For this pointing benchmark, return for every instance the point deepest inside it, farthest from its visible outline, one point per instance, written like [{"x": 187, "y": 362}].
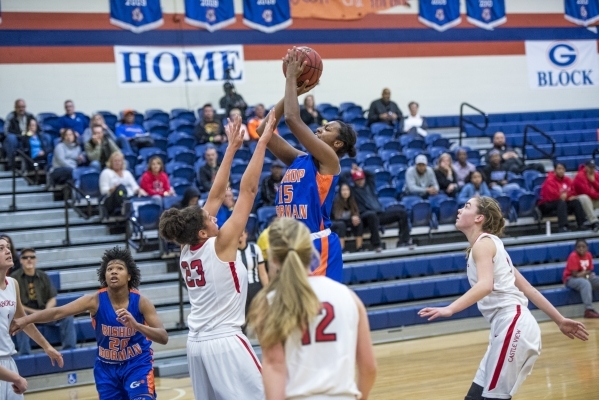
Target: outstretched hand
[
  {"x": 295, "y": 60},
  {"x": 435, "y": 312},
  {"x": 234, "y": 133},
  {"x": 55, "y": 356},
  {"x": 573, "y": 329},
  {"x": 269, "y": 128},
  {"x": 17, "y": 325}
]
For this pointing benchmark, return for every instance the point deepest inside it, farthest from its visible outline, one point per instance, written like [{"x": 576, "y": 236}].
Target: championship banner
[
  {"x": 439, "y": 14},
  {"x": 139, "y": 67},
  {"x": 136, "y": 15},
  {"x": 562, "y": 64},
  {"x": 267, "y": 16},
  {"x": 211, "y": 15},
  {"x": 582, "y": 12},
  {"x": 340, "y": 9},
  {"x": 486, "y": 14}
]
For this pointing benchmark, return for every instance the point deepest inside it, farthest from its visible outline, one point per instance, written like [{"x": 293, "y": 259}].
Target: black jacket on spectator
[
  {"x": 268, "y": 191},
  {"x": 494, "y": 174},
  {"x": 444, "y": 182},
  {"x": 44, "y": 289},
  {"x": 12, "y": 125},
  {"x": 205, "y": 131},
  {"x": 378, "y": 107},
  {"x": 207, "y": 174},
  {"x": 310, "y": 119},
  {"x": 366, "y": 196},
  {"x": 231, "y": 101}
]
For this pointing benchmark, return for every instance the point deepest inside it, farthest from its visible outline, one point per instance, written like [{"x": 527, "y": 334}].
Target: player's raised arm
[{"x": 153, "y": 329}]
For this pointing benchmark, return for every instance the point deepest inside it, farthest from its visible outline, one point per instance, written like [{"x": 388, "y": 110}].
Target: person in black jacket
[
  {"x": 270, "y": 185},
  {"x": 232, "y": 99},
  {"x": 385, "y": 110},
  {"x": 309, "y": 114},
  {"x": 16, "y": 125},
  {"x": 446, "y": 177},
  {"x": 209, "y": 129}
]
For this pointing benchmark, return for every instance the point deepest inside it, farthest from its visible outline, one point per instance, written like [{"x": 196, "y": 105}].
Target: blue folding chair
[
  {"x": 157, "y": 115},
  {"x": 170, "y": 201},
  {"x": 181, "y": 139},
  {"x": 373, "y": 160},
  {"x": 448, "y": 211},
  {"x": 265, "y": 215},
  {"x": 421, "y": 214},
  {"x": 147, "y": 152},
  {"x": 184, "y": 171},
  {"x": 386, "y": 191}
]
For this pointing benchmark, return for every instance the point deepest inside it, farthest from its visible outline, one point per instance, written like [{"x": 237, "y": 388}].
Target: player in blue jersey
[
  {"x": 307, "y": 190},
  {"x": 125, "y": 322}
]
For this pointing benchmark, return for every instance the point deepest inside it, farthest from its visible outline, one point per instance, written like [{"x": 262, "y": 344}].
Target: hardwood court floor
[{"x": 442, "y": 368}]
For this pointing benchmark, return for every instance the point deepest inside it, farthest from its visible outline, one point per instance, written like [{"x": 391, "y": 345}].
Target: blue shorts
[
  {"x": 331, "y": 261},
  {"x": 131, "y": 380}
]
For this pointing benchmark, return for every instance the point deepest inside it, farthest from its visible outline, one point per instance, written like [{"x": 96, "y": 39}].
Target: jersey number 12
[
  {"x": 197, "y": 266},
  {"x": 321, "y": 336}
]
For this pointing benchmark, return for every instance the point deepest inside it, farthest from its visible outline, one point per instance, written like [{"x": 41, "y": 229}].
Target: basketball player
[
  {"x": 125, "y": 322},
  {"x": 222, "y": 364},
  {"x": 307, "y": 190},
  {"x": 12, "y": 385},
  {"x": 502, "y": 295},
  {"x": 318, "y": 362}
]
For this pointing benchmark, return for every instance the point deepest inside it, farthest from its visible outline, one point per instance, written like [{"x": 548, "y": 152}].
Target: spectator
[
  {"x": 191, "y": 197},
  {"x": 117, "y": 183},
  {"x": 309, "y": 114},
  {"x": 131, "y": 135},
  {"x": 35, "y": 144},
  {"x": 67, "y": 157},
  {"x": 420, "y": 179},
  {"x": 16, "y": 125},
  {"x": 462, "y": 167},
  {"x": 579, "y": 276},
  {"x": 99, "y": 148},
  {"x": 13, "y": 251},
  {"x": 445, "y": 175},
  {"x": 385, "y": 110},
  {"x": 251, "y": 256},
  {"x": 476, "y": 186},
  {"x": 155, "y": 181},
  {"x": 372, "y": 213},
  {"x": 97, "y": 119},
  {"x": 270, "y": 185},
  {"x": 236, "y": 112},
  {"x": 255, "y": 121},
  {"x": 345, "y": 214},
  {"x": 208, "y": 171},
  {"x": 557, "y": 195},
  {"x": 226, "y": 209},
  {"x": 586, "y": 182},
  {"x": 209, "y": 129},
  {"x": 38, "y": 293},
  {"x": 232, "y": 99},
  {"x": 496, "y": 175},
  {"x": 510, "y": 157},
  {"x": 414, "y": 123},
  {"x": 71, "y": 119}
]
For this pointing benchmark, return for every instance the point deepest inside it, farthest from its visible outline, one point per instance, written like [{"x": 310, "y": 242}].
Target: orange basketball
[{"x": 313, "y": 68}]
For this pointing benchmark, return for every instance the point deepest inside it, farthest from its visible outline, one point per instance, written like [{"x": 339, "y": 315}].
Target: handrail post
[
  {"x": 65, "y": 193},
  {"x": 13, "y": 206},
  {"x": 463, "y": 120},
  {"x": 181, "y": 323}
]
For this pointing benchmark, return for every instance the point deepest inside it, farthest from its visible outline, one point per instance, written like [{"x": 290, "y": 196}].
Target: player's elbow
[
  {"x": 486, "y": 286},
  {"x": 163, "y": 338}
]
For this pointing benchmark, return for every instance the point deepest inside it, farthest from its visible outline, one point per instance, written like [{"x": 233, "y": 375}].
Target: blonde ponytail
[{"x": 294, "y": 303}]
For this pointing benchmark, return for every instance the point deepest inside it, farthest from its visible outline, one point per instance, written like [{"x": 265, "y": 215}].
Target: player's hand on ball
[
  {"x": 435, "y": 312},
  {"x": 20, "y": 386},
  {"x": 55, "y": 356},
  {"x": 295, "y": 63},
  {"x": 233, "y": 131},
  {"x": 573, "y": 329}
]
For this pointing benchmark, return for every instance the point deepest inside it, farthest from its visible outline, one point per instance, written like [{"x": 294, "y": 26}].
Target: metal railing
[
  {"x": 464, "y": 120},
  {"x": 36, "y": 168},
  {"x": 526, "y": 142},
  {"x": 67, "y": 190}
]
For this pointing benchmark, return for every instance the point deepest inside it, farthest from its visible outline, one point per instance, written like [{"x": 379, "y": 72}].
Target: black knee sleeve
[{"x": 475, "y": 392}]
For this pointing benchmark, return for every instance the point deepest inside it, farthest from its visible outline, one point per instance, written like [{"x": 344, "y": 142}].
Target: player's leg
[
  {"x": 334, "y": 257},
  {"x": 138, "y": 379},
  {"x": 108, "y": 382},
  {"x": 6, "y": 391},
  {"x": 527, "y": 351},
  {"x": 200, "y": 382}
]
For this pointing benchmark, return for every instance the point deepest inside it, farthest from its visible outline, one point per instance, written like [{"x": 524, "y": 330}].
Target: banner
[
  {"x": 211, "y": 15},
  {"x": 562, "y": 64},
  {"x": 439, "y": 14},
  {"x": 486, "y": 14},
  {"x": 267, "y": 15},
  {"x": 582, "y": 12},
  {"x": 136, "y": 15},
  {"x": 139, "y": 67},
  {"x": 340, "y": 9}
]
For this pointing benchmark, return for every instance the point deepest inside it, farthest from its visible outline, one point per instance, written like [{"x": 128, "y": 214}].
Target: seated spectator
[
  {"x": 131, "y": 135},
  {"x": 99, "y": 148},
  {"x": 191, "y": 197},
  {"x": 251, "y": 256},
  {"x": 345, "y": 214},
  {"x": 579, "y": 276},
  {"x": 496, "y": 175},
  {"x": 462, "y": 167},
  {"x": 557, "y": 195},
  {"x": 255, "y": 121},
  {"x": 67, "y": 157},
  {"x": 208, "y": 171},
  {"x": 237, "y": 112},
  {"x": 35, "y": 144},
  {"x": 117, "y": 183},
  {"x": 71, "y": 119},
  {"x": 385, "y": 110},
  {"x": 414, "y": 123},
  {"x": 226, "y": 209},
  {"x": 209, "y": 129},
  {"x": 232, "y": 99},
  {"x": 270, "y": 185},
  {"x": 445, "y": 175},
  {"x": 420, "y": 179},
  {"x": 15, "y": 125},
  {"x": 511, "y": 157},
  {"x": 586, "y": 182},
  {"x": 476, "y": 186},
  {"x": 372, "y": 213},
  {"x": 13, "y": 251},
  {"x": 97, "y": 119},
  {"x": 38, "y": 293},
  {"x": 155, "y": 181},
  {"x": 309, "y": 114}
]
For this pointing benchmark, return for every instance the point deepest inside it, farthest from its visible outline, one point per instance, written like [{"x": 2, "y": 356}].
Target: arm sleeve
[{"x": 105, "y": 181}]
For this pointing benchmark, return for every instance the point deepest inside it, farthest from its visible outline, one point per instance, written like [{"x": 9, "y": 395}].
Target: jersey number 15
[
  {"x": 320, "y": 335},
  {"x": 197, "y": 266}
]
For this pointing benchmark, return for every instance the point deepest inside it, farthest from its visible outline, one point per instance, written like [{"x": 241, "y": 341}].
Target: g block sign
[
  {"x": 562, "y": 64},
  {"x": 175, "y": 66}
]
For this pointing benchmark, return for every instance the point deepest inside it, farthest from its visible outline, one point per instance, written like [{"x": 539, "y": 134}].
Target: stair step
[
  {"x": 51, "y": 237},
  {"x": 31, "y": 200},
  {"x": 64, "y": 261},
  {"x": 19, "y": 218},
  {"x": 6, "y": 188}
]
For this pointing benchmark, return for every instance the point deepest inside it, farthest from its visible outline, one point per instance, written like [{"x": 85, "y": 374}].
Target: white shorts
[
  {"x": 514, "y": 346},
  {"x": 6, "y": 392},
  {"x": 225, "y": 369}
]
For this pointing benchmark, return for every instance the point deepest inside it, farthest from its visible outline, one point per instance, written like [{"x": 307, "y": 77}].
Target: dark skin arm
[{"x": 153, "y": 329}]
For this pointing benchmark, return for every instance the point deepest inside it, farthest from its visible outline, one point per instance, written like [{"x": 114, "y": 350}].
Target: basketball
[{"x": 313, "y": 68}]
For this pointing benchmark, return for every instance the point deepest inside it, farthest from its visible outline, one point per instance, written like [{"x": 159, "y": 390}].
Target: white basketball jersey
[
  {"x": 8, "y": 307},
  {"x": 217, "y": 292},
  {"x": 323, "y": 359},
  {"x": 505, "y": 293}
]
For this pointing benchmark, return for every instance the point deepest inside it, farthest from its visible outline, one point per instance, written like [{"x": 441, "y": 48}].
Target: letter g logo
[{"x": 562, "y": 55}]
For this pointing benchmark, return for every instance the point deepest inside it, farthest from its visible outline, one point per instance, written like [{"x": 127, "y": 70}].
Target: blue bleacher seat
[
  {"x": 364, "y": 132},
  {"x": 369, "y": 147},
  {"x": 159, "y": 142},
  {"x": 186, "y": 156},
  {"x": 525, "y": 205},
  {"x": 392, "y": 145},
  {"x": 89, "y": 184},
  {"x": 265, "y": 215},
  {"x": 373, "y": 160},
  {"x": 387, "y": 154},
  {"x": 397, "y": 170},
  {"x": 330, "y": 113},
  {"x": 411, "y": 153},
  {"x": 380, "y": 141},
  {"x": 448, "y": 211},
  {"x": 400, "y": 159},
  {"x": 181, "y": 139},
  {"x": 180, "y": 185},
  {"x": 184, "y": 171},
  {"x": 242, "y": 154},
  {"x": 159, "y": 130},
  {"x": 358, "y": 122},
  {"x": 147, "y": 152},
  {"x": 187, "y": 115},
  {"x": 435, "y": 151},
  {"x": 157, "y": 115},
  {"x": 169, "y": 201},
  {"x": 345, "y": 106},
  {"x": 376, "y": 127}
]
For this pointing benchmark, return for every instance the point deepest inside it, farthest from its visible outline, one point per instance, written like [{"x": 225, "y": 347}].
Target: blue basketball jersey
[
  {"x": 486, "y": 14},
  {"x": 209, "y": 14},
  {"x": 136, "y": 15},
  {"x": 116, "y": 342},
  {"x": 582, "y": 12},
  {"x": 439, "y": 14},
  {"x": 267, "y": 15}
]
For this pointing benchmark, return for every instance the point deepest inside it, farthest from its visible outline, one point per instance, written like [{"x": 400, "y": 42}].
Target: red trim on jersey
[
  {"x": 6, "y": 281},
  {"x": 506, "y": 344},
  {"x": 247, "y": 347},
  {"x": 235, "y": 278},
  {"x": 197, "y": 246}
]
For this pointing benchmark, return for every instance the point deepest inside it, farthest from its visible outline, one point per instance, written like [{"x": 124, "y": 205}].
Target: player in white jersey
[
  {"x": 12, "y": 385},
  {"x": 222, "y": 364},
  {"x": 502, "y": 294},
  {"x": 313, "y": 331}
]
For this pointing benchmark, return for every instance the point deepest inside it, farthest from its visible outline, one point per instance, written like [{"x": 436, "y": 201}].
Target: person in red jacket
[
  {"x": 155, "y": 181},
  {"x": 557, "y": 195},
  {"x": 579, "y": 276}
]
